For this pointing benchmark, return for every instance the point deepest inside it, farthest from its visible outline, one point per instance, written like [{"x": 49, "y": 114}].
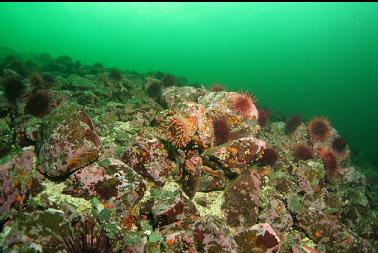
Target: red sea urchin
[
  {"x": 217, "y": 88},
  {"x": 339, "y": 144},
  {"x": 263, "y": 118},
  {"x": 243, "y": 104},
  {"x": 13, "y": 87},
  {"x": 319, "y": 129},
  {"x": 222, "y": 131},
  {"x": 86, "y": 236},
  {"x": 293, "y": 123},
  {"x": 115, "y": 75},
  {"x": 38, "y": 104},
  {"x": 302, "y": 152},
  {"x": 269, "y": 157}
]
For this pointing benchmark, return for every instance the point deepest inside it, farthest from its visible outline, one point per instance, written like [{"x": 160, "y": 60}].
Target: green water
[{"x": 303, "y": 58}]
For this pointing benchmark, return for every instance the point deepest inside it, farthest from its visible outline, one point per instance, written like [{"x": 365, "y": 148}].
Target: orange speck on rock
[
  {"x": 317, "y": 234},
  {"x": 170, "y": 242},
  {"x": 317, "y": 189},
  {"x": 19, "y": 198},
  {"x": 128, "y": 222},
  {"x": 178, "y": 223},
  {"x": 321, "y": 152},
  {"x": 106, "y": 204},
  {"x": 232, "y": 150}
]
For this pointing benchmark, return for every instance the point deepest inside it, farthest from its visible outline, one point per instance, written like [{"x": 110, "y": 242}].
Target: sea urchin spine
[
  {"x": 222, "y": 131},
  {"x": 293, "y": 123},
  {"x": 302, "y": 152},
  {"x": 269, "y": 157},
  {"x": 330, "y": 163},
  {"x": 339, "y": 144},
  {"x": 217, "y": 88},
  {"x": 263, "y": 118}
]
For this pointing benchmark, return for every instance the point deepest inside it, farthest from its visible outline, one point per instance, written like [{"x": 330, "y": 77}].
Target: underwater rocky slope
[{"x": 99, "y": 160}]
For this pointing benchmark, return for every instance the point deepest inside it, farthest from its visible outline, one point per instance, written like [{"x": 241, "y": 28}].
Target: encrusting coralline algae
[{"x": 132, "y": 161}]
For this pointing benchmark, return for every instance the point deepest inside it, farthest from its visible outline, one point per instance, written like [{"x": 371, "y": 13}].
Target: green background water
[{"x": 306, "y": 58}]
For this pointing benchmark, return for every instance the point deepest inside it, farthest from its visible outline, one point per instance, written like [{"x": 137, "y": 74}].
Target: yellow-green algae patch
[
  {"x": 214, "y": 201},
  {"x": 52, "y": 194}
]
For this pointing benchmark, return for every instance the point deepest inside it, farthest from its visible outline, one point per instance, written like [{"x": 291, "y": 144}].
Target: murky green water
[{"x": 311, "y": 59}]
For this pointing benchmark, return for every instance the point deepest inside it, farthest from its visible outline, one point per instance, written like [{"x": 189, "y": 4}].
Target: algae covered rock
[
  {"x": 149, "y": 158},
  {"x": 212, "y": 235},
  {"x": 173, "y": 95},
  {"x": 233, "y": 155},
  {"x": 187, "y": 124},
  {"x": 258, "y": 238},
  {"x": 6, "y": 137},
  {"x": 18, "y": 179},
  {"x": 212, "y": 180},
  {"x": 111, "y": 181},
  {"x": 329, "y": 232},
  {"x": 69, "y": 141},
  {"x": 242, "y": 199}
]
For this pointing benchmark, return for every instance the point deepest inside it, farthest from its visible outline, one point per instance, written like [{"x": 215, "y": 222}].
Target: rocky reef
[{"x": 105, "y": 160}]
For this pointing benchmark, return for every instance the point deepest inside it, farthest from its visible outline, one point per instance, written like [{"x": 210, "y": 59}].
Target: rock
[
  {"x": 17, "y": 179},
  {"x": 167, "y": 205},
  {"x": 258, "y": 238},
  {"x": 277, "y": 215},
  {"x": 212, "y": 235},
  {"x": 149, "y": 158},
  {"x": 69, "y": 141},
  {"x": 212, "y": 180},
  {"x": 220, "y": 104},
  {"x": 6, "y": 137},
  {"x": 191, "y": 175},
  {"x": 111, "y": 181},
  {"x": 204, "y": 137},
  {"x": 327, "y": 231},
  {"x": 28, "y": 132},
  {"x": 173, "y": 95},
  {"x": 34, "y": 232},
  {"x": 195, "y": 121},
  {"x": 242, "y": 199},
  {"x": 4, "y": 105},
  {"x": 309, "y": 175},
  {"x": 234, "y": 155}
]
